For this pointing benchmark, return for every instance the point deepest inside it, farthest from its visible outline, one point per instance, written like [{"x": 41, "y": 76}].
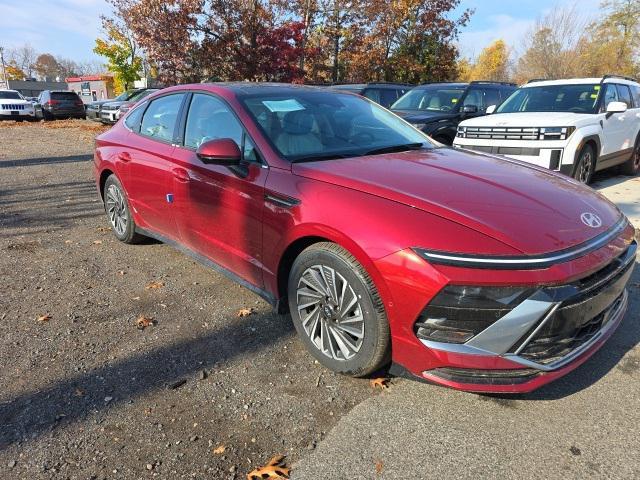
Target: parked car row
[
  {"x": 109, "y": 111},
  {"x": 464, "y": 268}
]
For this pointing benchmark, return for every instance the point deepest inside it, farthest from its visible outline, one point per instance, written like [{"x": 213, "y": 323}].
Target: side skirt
[{"x": 268, "y": 297}]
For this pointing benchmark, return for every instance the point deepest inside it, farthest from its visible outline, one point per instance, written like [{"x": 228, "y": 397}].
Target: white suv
[
  {"x": 576, "y": 126},
  {"x": 14, "y": 106}
]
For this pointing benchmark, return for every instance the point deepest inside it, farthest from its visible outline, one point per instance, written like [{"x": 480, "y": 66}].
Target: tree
[
  {"x": 551, "y": 47},
  {"x": 24, "y": 58},
  {"x": 14, "y": 72},
  {"x": 47, "y": 67},
  {"x": 121, "y": 52},
  {"x": 492, "y": 63},
  {"x": 613, "y": 44}
]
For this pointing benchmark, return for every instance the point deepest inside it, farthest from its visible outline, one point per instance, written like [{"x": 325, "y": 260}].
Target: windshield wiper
[
  {"x": 395, "y": 148},
  {"x": 317, "y": 158}
]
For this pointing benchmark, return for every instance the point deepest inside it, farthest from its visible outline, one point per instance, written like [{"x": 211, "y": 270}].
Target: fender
[{"x": 569, "y": 168}]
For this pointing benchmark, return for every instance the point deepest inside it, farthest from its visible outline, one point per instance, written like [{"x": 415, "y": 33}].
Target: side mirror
[
  {"x": 616, "y": 107},
  {"x": 469, "y": 109},
  {"x": 490, "y": 109},
  {"x": 221, "y": 151}
]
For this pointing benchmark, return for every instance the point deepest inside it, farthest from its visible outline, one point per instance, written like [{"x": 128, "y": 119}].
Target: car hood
[
  {"x": 418, "y": 116},
  {"x": 98, "y": 104},
  {"x": 530, "y": 209},
  {"x": 114, "y": 105},
  {"x": 532, "y": 119},
  {"x": 16, "y": 101}
]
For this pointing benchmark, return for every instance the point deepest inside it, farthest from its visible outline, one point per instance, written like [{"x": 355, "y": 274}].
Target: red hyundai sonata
[{"x": 468, "y": 270}]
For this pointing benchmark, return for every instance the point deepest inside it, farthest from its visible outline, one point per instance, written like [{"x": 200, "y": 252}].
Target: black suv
[
  {"x": 382, "y": 93},
  {"x": 438, "y": 108},
  {"x": 61, "y": 104}
]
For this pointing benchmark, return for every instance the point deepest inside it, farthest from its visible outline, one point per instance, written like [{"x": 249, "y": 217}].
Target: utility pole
[{"x": 5, "y": 82}]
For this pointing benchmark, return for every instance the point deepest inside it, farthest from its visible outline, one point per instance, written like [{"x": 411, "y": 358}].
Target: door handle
[
  {"x": 124, "y": 157},
  {"x": 180, "y": 174}
]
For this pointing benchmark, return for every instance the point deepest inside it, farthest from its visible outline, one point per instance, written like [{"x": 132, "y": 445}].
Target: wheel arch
[
  {"x": 296, "y": 245},
  {"x": 106, "y": 173}
]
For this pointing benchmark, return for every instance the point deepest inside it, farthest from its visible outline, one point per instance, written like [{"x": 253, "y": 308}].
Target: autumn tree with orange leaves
[{"x": 296, "y": 40}]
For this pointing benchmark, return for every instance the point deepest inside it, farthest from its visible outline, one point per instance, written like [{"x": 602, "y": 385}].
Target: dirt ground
[{"x": 84, "y": 393}]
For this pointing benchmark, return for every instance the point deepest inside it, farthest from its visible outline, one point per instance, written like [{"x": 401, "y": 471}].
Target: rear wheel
[
  {"x": 337, "y": 312},
  {"x": 632, "y": 166},
  {"x": 585, "y": 165},
  {"x": 118, "y": 212}
]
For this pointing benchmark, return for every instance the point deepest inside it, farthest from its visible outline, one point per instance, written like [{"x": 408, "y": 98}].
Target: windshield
[
  {"x": 433, "y": 98},
  {"x": 8, "y": 95},
  {"x": 308, "y": 125},
  {"x": 552, "y": 98},
  {"x": 126, "y": 95}
]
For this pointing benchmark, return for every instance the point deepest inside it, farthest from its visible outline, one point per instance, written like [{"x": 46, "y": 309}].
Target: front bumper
[
  {"x": 109, "y": 116},
  {"x": 550, "y": 333},
  {"x": 17, "y": 114}
]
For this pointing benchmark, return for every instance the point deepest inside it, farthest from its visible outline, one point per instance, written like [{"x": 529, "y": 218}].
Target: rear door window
[
  {"x": 624, "y": 95},
  {"x": 159, "y": 120},
  {"x": 635, "y": 93}
]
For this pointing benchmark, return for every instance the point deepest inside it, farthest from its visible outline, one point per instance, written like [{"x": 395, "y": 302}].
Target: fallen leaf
[
  {"x": 153, "y": 285},
  {"x": 219, "y": 449},
  {"x": 103, "y": 229},
  {"x": 245, "y": 312},
  {"x": 381, "y": 383},
  {"x": 379, "y": 466},
  {"x": 79, "y": 392},
  {"x": 67, "y": 241},
  {"x": 44, "y": 318},
  {"x": 276, "y": 468},
  {"x": 97, "y": 242},
  {"x": 143, "y": 322},
  {"x": 121, "y": 272}
]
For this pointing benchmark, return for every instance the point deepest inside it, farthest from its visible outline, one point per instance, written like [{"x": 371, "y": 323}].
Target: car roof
[
  {"x": 250, "y": 88},
  {"x": 578, "y": 81},
  {"x": 443, "y": 84}
]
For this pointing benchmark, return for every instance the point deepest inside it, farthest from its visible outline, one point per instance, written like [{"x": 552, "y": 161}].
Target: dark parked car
[
  {"x": 473, "y": 271},
  {"x": 384, "y": 94},
  {"x": 438, "y": 108},
  {"x": 61, "y": 104},
  {"x": 111, "y": 111}
]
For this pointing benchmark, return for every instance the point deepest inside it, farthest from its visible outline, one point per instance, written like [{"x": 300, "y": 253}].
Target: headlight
[
  {"x": 556, "y": 133},
  {"x": 458, "y": 313},
  {"x": 419, "y": 126}
]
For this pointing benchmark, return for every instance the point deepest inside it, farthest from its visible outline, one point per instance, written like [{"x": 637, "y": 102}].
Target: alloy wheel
[
  {"x": 330, "y": 312},
  {"x": 117, "y": 209},
  {"x": 583, "y": 172}
]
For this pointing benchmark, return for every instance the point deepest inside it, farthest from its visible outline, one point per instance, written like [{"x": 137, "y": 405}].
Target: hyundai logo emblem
[{"x": 591, "y": 220}]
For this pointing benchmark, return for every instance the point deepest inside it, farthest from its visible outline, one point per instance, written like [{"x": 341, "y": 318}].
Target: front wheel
[
  {"x": 337, "y": 311},
  {"x": 585, "y": 165},
  {"x": 118, "y": 212}
]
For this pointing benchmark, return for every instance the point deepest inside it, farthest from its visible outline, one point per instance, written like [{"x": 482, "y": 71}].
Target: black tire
[
  {"x": 125, "y": 233},
  {"x": 585, "y": 165},
  {"x": 632, "y": 166},
  {"x": 443, "y": 139},
  {"x": 374, "y": 350}
]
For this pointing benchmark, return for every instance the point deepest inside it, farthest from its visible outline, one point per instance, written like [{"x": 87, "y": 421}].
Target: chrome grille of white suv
[{"x": 10, "y": 106}]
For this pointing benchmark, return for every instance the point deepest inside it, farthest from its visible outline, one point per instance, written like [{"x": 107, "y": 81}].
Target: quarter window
[
  {"x": 160, "y": 118},
  {"x": 133, "y": 119}
]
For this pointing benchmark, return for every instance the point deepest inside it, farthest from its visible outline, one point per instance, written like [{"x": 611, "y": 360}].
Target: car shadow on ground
[
  {"x": 27, "y": 162},
  {"x": 95, "y": 392}
]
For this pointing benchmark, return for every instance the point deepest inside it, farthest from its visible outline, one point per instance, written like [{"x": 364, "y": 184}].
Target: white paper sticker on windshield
[{"x": 289, "y": 105}]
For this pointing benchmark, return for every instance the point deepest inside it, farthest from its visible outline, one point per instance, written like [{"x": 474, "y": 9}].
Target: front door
[
  {"x": 613, "y": 126},
  {"x": 219, "y": 209}
]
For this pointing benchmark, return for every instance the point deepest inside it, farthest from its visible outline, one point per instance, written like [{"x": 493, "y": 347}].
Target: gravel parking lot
[
  {"x": 204, "y": 393},
  {"x": 83, "y": 392}
]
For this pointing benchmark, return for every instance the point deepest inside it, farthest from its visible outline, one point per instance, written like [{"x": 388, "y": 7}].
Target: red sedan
[{"x": 468, "y": 270}]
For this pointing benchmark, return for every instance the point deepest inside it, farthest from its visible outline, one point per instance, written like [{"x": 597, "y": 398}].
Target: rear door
[{"x": 148, "y": 164}]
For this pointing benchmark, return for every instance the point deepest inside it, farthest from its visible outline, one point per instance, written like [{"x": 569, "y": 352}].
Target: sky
[{"x": 69, "y": 27}]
